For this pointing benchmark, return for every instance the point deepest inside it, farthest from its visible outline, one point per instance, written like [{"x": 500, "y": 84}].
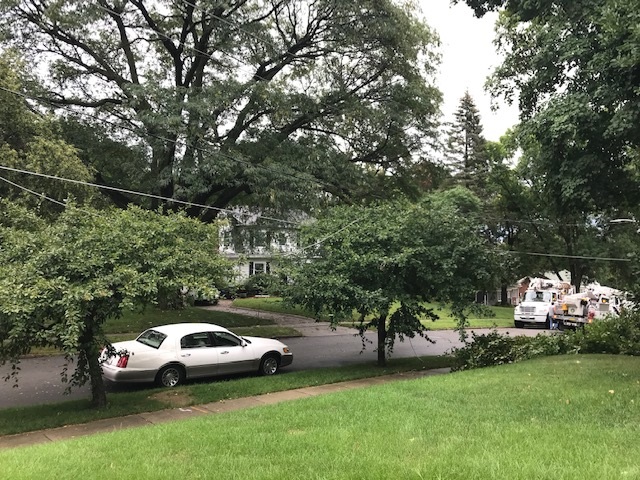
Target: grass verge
[
  {"x": 38, "y": 417},
  {"x": 131, "y": 324},
  {"x": 151, "y": 317},
  {"x": 557, "y": 417},
  {"x": 503, "y": 316}
]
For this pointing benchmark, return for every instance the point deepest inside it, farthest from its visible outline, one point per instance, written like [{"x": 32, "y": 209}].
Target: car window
[
  {"x": 224, "y": 339},
  {"x": 151, "y": 338},
  {"x": 195, "y": 340}
]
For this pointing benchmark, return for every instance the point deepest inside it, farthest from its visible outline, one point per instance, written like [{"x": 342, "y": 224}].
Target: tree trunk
[
  {"x": 382, "y": 336},
  {"x": 504, "y": 301},
  {"x": 98, "y": 391}
]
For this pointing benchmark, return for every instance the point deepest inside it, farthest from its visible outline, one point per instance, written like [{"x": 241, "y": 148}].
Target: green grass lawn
[
  {"x": 38, "y": 417},
  {"x": 131, "y": 324},
  {"x": 569, "y": 417},
  {"x": 151, "y": 317},
  {"x": 503, "y": 316}
]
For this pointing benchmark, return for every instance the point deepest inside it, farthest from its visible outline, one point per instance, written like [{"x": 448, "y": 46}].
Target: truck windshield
[{"x": 533, "y": 296}]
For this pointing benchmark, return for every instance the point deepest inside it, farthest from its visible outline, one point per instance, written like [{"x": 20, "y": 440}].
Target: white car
[{"x": 170, "y": 354}]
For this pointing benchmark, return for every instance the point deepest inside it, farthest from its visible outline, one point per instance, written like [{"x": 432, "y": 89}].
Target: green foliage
[
  {"x": 573, "y": 68},
  {"x": 31, "y": 142},
  {"x": 368, "y": 258},
  {"x": 578, "y": 96},
  {"x": 262, "y": 283},
  {"x": 273, "y": 103},
  {"x": 466, "y": 146},
  {"x": 614, "y": 335},
  {"x": 494, "y": 348},
  {"x": 60, "y": 282}
]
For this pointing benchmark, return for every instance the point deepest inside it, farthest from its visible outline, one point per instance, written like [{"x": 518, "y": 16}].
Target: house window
[
  {"x": 259, "y": 267},
  {"x": 259, "y": 238}
]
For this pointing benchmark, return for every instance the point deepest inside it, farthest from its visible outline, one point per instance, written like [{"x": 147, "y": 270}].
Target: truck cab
[{"x": 536, "y": 307}]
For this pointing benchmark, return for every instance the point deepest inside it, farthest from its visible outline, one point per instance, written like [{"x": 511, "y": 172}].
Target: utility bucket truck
[
  {"x": 537, "y": 304},
  {"x": 596, "y": 302}
]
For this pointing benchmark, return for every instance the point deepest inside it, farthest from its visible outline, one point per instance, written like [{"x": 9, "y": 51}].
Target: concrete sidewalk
[{"x": 176, "y": 414}]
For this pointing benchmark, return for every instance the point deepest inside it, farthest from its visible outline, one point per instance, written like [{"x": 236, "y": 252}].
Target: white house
[{"x": 255, "y": 241}]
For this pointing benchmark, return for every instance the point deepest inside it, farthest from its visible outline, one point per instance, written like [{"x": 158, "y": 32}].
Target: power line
[
  {"x": 307, "y": 178},
  {"x": 319, "y": 242},
  {"x": 41, "y": 195},
  {"x": 331, "y": 235},
  {"x": 556, "y": 255},
  {"x": 133, "y": 192},
  {"x": 164, "y": 139}
]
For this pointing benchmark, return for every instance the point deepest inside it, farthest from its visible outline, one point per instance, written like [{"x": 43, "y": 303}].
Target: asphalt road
[{"x": 40, "y": 383}]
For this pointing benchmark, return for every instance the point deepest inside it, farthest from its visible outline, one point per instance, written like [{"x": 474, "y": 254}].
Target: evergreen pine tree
[{"x": 465, "y": 145}]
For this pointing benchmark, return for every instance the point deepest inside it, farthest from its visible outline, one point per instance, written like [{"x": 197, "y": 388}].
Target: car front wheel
[
  {"x": 269, "y": 365},
  {"x": 170, "y": 376}
]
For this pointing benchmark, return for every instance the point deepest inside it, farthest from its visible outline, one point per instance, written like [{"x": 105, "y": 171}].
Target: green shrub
[
  {"x": 615, "y": 335},
  {"x": 261, "y": 283},
  {"x": 496, "y": 349}
]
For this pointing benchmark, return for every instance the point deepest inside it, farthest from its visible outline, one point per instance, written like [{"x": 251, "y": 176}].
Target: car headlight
[{"x": 286, "y": 350}]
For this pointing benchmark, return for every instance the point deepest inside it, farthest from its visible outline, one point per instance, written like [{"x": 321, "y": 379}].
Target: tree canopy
[
  {"x": 61, "y": 281},
  {"x": 33, "y": 142},
  {"x": 384, "y": 261},
  {"x": 573, "y": 68},
  {"x": 280, "y": 101}
]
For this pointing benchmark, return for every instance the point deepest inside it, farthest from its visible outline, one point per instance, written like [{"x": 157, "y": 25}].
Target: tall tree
[
  {"x": 465, "y": 145},
  {"x": 33, "y": 142},
  {"x": 580, "y": 108},
  {"x": 61, "y": 281},
  {"x": 280, "y": 100},
  {"x": 368, "y": 259},
  {"x": 578, "y": 96}
]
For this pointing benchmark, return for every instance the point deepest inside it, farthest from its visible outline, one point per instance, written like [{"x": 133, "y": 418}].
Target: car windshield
[{"x": 152, "y": 338}]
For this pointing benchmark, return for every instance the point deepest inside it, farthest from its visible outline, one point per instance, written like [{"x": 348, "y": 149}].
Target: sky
[{"x": 468, "y": 57}]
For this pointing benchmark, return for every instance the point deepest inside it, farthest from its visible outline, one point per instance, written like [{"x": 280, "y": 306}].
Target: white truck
[
  {"x": 595, "y": 302},
  {"x": 537, "y": 305}
]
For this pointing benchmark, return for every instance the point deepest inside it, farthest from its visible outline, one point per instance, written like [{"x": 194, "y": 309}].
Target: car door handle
[
  {"x": 224, "y": 353},
  {"x": 185, "y": 355}
]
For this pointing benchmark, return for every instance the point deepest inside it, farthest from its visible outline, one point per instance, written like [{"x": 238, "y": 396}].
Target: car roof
[{"x": 187, "y": 328}]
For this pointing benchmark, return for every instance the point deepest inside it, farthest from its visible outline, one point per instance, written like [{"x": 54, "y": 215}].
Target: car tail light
[{"x": 122, "y": 361}]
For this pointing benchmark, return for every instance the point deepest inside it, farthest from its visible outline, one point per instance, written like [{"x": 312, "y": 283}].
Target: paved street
[{"x": 39, "y": 380}]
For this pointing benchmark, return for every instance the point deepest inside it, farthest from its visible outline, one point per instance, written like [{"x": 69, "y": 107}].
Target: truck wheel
[{"x": 519, "y": 324}]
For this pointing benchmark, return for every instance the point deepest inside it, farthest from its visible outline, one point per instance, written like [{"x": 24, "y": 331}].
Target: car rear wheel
[
  {"x": 170, "y": 376},
  {"x": 269, "y": 365}
]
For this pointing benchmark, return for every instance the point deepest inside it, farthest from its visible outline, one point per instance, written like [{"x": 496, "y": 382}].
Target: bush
[
  {"x": 260, "y": 284},
  {"x": 615, "y": 335},
  {"x": 497, "y": 349}
]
